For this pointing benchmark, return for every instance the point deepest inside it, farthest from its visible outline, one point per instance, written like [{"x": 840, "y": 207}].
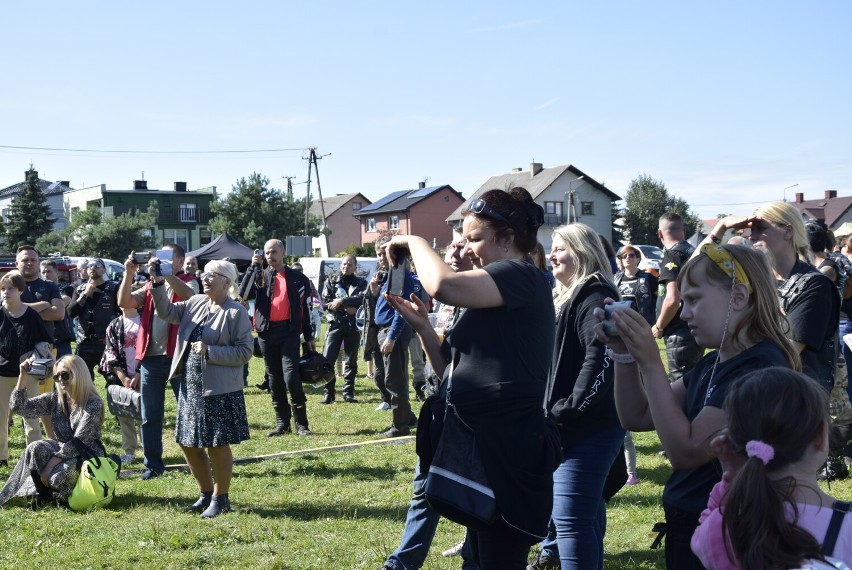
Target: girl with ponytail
[{"x": 768, "y": 511}]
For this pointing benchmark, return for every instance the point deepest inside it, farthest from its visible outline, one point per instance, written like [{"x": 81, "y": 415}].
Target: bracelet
[{"x": 625, "y": 358}]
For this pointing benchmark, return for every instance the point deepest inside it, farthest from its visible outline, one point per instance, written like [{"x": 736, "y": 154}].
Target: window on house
[
  {"x": 371, "y": 224},
  {"x": 187, "y": 213},
  {"x": 180, "y": 237},
  {"x": 588, "y": 208},
  {"x": 393, "y": 222},
  {"x": 205, "y": 236},
  {"x": 553, "y": 208},
  {"x": 6, "y": 212},
  {"x": 356, "y": 205}
]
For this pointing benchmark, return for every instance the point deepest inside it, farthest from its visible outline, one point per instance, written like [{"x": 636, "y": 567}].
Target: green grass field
[{"x": 341, "y": 509}]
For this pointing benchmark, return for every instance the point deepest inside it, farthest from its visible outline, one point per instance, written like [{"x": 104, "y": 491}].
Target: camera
[
  {"x": 609, "y": 324},
  {"x": 141, "y": 258},
  {"x": 40, "y": 367}
]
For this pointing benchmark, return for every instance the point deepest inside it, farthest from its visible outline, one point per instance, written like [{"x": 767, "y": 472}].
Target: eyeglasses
[
  {"x": 481, "y": 207},
  {"x": 101, "y": 265},
  {"x": 628, "y": 255},
  {"x": 62, "y": 376},
  {"x": 209, "y": 275}
]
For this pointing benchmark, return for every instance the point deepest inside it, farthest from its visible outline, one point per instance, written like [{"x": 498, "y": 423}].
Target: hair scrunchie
[{"x": 761, "y": 450}]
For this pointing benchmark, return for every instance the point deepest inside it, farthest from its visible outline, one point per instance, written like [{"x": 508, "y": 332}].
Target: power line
[{"x": 113, "y": 151}]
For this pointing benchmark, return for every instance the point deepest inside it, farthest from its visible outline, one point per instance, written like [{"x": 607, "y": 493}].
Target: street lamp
[
  {"x": 787, "y": 188},
  {"x": 569, "y": 198}
]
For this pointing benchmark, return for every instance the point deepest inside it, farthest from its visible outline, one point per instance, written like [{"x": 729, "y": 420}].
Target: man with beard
[{"x": 95, "y": 305}]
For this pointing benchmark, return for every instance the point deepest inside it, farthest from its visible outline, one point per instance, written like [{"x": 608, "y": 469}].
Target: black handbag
[
  {"x": 124, "y": 402},
  {"x": 456, "y": 484}
]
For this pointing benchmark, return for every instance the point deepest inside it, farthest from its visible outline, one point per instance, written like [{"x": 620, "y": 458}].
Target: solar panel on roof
[
  {"x": 423, "y": 192},
  {"x": 384, "y": 201}
]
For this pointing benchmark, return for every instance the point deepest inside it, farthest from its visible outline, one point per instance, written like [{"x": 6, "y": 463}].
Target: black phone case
[{"x": 396, "y": 278}]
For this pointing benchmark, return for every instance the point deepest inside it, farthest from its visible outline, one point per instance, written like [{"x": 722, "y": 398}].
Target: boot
[
  {"x": 349, "y": 391},
  {"x": 45, "y": 493},
  {"x": 282, "y": 422},
  {"x": 328, "y": 389},
  {"x": 219, "y": 504},
  {"x": 265, "y": 384},
  {"x": 201, "y": 504},
  {"x": 300, "y": 418}
]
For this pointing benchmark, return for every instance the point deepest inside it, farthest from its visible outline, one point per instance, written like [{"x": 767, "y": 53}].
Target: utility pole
[
  {"x": 289, "y": 185},
  {"x": 312, "y": 161}
]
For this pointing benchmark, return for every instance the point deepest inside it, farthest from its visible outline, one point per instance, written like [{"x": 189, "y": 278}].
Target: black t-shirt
[
  {"x": 814, "y": 314},
  {"x": 689, "y": 489},
  {"x": 641, "y": 291},
  {"x": 29, "y": 329},
  {"x": 41, "y": 290},
  {"x": 512, "y": 343},
  {"x": 674, "y": 259}
]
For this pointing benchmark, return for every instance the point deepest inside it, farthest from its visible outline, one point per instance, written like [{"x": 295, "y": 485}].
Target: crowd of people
[{"x": 548, "y": 377}]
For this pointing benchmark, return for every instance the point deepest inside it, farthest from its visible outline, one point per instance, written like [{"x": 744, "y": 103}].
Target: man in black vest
[
  {"x": 682, "y": 351},
  {"x": 281, "y": 315},
  {"x": 342, "y": 295},
  {"x": 95, "y": 305}
]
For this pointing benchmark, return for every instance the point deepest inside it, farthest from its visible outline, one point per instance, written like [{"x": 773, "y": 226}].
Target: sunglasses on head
[
  {"x": 62, "y": 376},
  {"x": 481, "y": 207}
]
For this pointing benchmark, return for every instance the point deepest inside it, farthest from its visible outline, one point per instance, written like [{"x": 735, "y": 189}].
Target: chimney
[
  {"x": 515, "y": 170},
  {"x": 829, "y": 194},
  {"x": 140, "y": 185},
  {"x": 421, "y": 185},
  {"x": 66, "y": 183},
  {"x": 800, "y": 197},
  {"x": 535, "y": 168},
  {"x": 180, "y": 186}
]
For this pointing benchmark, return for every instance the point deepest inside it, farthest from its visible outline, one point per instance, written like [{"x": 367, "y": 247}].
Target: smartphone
[
  {"x": 396, "y": 274},
  {"x": 609, "y": 324},
  {"x": 141, "y": 258}
]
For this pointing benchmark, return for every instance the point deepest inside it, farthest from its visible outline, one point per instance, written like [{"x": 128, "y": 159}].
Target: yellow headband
[{"x": 726, "y": 262}]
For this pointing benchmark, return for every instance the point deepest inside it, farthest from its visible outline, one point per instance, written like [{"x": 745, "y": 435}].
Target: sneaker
[
  {"x": 382, "y": 407},
  {"x": 396, "y": 432},
  {"x": 350, "y": 399},
  {"x": 150, "y": 474},
  {"x": 454, "y": 551},
  {"x": 327, "y": 399},
  {"x": 127, "y": 459},
  {"x": 370, "y": 375},
  {"x": 544, "y": 562},
  {"x": 632, "y": 479}
]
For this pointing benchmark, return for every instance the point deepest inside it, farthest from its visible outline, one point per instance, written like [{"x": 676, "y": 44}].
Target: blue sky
[{"x": 726, "y": 102}]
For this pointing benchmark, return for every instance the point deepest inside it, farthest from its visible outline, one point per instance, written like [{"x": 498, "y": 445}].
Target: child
[
  {"x": 730, "y": 304},
  {"x": 768, "y": 511}
]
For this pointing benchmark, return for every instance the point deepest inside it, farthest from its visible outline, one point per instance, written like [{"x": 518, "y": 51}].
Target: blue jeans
[
  {"x": 154, "y": 371},
  {"x": 420, "y": 524},
  {"x": 578, "y": 522}
]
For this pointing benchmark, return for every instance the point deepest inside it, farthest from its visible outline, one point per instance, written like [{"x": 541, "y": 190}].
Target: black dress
[{"x": 207, "y": 421}]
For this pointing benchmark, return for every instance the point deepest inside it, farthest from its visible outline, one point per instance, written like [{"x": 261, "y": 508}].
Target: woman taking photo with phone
[{"x": 500, "y": 353}]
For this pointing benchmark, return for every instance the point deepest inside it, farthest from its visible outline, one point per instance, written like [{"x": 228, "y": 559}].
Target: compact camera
[
  {"x": 141, "y": 258},
  {"x": 609, "y": 324}
]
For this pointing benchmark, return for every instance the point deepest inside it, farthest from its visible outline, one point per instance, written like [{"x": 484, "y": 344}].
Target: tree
[
  {"x": 29, "y": 217},
  {"x": 647, "y": 199},
  {"x": 90, "y": 234},
  {"x": 617, "y": 229},
  {"x": 253, "y": 213}
]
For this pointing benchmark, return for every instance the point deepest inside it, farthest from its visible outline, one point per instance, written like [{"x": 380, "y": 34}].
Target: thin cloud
[
  {"x": 547, "y": 104},
  {"x": 505, "y": 27}
]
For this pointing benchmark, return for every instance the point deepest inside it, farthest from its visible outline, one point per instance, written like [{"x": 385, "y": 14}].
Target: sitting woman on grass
[
  {"x": 729, "y": 303},
  {"x": 49, "y": 468}
]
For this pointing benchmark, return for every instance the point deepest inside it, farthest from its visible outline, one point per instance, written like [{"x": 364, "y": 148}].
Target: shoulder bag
[
  {"x": 456, "y": 484},
  {"x": 95, "y": 485}
]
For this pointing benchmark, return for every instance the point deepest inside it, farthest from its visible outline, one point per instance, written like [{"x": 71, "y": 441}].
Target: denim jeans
[
  {"x": 154, "y": 371},
  {"x": 420, "y": 524},
  {"x": 351, "y": 340},
  {"x": 682, "y": 352},
  {"x": 578, "y": 522}
]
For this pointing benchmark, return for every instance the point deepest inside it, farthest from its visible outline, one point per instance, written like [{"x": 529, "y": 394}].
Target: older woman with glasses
[
  {"x": 50, "y": 467},
  {"x": 214, "y": 342}
]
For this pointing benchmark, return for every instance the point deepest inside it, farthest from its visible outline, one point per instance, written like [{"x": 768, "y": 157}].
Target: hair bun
[{"x": 536, "y": 214}]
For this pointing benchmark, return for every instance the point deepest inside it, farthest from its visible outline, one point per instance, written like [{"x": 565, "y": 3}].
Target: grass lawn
[{"x": 342, "y": 509}]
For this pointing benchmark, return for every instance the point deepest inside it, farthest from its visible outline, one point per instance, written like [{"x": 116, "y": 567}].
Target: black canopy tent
[{"x": 222, "y": 247}]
